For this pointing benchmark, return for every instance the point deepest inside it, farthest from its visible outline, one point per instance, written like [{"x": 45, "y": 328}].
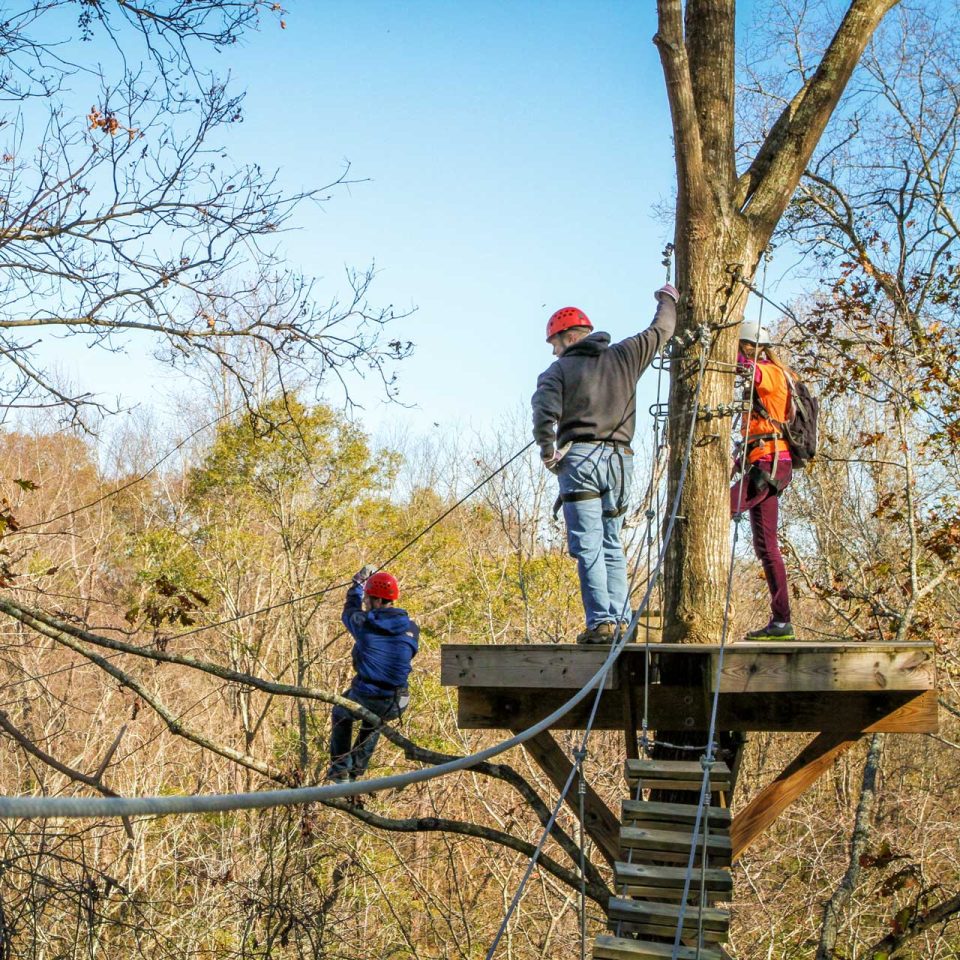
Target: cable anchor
[
  {"x": 667, "y": 260},
  {"x": 721, "y": 410}
]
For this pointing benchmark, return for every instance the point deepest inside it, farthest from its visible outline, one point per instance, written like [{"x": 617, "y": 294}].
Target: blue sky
[{"x": 514, "y": 154}]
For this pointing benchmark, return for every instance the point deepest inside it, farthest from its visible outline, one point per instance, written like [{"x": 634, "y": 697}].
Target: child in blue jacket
[{"x": 385, "y": 642}]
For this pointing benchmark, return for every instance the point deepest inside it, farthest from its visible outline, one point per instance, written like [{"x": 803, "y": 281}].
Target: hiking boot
[
  {"x": 601, "y": 633},
  {"x": 773, "y": 631}
]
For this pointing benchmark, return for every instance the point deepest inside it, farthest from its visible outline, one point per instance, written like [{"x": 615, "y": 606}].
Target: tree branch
[
  {"x": 688, "y": 146},
  {"x": 765, "y": 189},
  {"x": 861, "y": 833},
  {"x": 891, "y": 945}
]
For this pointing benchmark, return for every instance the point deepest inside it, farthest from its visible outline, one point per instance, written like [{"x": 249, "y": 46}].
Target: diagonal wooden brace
[
  {"x": 813, "y": 761},
  {"x": 601, "y": 825}
]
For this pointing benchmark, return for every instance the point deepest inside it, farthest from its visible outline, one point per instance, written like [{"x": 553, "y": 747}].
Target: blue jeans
[
  {"x": 352, "y": 762},
  {"x": 593, "y": 533}
]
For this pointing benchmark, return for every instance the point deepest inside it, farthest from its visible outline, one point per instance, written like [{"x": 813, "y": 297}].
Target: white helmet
[{"x": 752, "y": 332}]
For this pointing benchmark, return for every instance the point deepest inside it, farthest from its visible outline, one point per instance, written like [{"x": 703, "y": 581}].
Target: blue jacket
[{"x": 385, "y": 641}]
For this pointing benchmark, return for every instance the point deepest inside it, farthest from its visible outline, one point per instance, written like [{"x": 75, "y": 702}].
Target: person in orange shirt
[{"x": 764, "y": 457}]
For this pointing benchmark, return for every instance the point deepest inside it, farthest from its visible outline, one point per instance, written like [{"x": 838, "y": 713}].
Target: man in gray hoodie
[{"x": 584, "y": 416}]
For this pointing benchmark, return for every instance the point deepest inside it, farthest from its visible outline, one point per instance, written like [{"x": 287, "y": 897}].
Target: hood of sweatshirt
[
  {"x": 391, "y": 621},
  {"x": 590, "y": 346}
]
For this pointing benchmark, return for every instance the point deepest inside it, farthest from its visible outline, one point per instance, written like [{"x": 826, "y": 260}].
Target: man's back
[{"x": 590, "y": 392}]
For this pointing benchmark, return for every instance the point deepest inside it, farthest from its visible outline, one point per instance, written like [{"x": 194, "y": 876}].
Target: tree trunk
[
  {"x": 723, "y": 223},
  {"x": 699, "y": 551}
]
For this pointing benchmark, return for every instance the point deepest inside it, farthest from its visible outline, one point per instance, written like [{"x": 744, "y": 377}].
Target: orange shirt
[{"x": 773, "y": 390}]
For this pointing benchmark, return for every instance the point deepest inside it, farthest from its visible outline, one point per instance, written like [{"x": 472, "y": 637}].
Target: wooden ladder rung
[
  {"x": 648, "y": 811},
  {"x": 672, "y": 841},
  {"x": 670, "y": 880},
  {"x": 606, "y": 947},
  {"x": 660, "y": 919},
  {"x": 676, "y": 774}
]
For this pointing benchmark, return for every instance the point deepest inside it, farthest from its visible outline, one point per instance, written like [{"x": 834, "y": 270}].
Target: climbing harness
[
  {"x": 578, "y": 496},
  {"x": 620, "y": 639}
]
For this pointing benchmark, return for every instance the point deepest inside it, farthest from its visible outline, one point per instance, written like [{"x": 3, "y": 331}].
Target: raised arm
[{"x": 643, "y": 347}]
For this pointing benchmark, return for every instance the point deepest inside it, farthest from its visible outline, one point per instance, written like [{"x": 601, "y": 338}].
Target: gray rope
[
  {"x": 619, "y": 642},
  {"x": 708, "y": 759}
]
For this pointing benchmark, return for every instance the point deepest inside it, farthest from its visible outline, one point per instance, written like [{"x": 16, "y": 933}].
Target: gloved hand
[
  {"x": 667, "y": 290},
  {"x": 551, "y": 456},
  {"x": 364, "y": 573},
  {"x": 737, "y": 464}
]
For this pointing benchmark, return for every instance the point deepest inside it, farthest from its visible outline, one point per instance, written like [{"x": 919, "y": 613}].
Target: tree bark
[{"x": 723, "y": 225}]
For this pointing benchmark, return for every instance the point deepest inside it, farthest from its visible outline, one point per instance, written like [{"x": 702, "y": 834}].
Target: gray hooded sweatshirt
[{"x": 590, "y": 391}]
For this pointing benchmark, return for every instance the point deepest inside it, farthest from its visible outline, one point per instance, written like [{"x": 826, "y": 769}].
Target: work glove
[
  {"x": 667, "y": 290},
  {"x": 551, "y": 456},
  {"x": 364, "y": 573},
  {"x": 738, "y": 461}
]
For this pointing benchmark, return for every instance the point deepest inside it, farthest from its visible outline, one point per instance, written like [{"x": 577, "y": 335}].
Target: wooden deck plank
[
  {"x": 671, "y": 841},
  {"x": 813, "y": 670},
  {"x": 670, "y": 912},
  {"x": 624, "y": 948},
  {"x": 853, "y": 711},
  {"x": 554, "y": 666},
  {"x": 660, "y": 919},
  {"x": 721, "y": 881},
  {"x": 758, "y": 667},
  {"x": 655, "y": 812}
]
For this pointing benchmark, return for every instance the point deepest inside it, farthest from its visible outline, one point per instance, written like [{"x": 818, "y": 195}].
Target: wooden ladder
[{"x": 655, "y": 841}]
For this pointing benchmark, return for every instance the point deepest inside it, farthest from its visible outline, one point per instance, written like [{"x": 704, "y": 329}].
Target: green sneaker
[{"x": 773, "y": 631}]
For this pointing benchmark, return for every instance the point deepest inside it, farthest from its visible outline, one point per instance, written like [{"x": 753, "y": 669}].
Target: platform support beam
[
  {"x": 814, "y": 760},
  {"x": 600, "y": 824},
  {"x": 631, "y": 715}
]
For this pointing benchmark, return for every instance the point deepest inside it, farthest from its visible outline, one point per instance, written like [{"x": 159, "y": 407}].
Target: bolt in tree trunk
[{"x": 724, "y": 222}]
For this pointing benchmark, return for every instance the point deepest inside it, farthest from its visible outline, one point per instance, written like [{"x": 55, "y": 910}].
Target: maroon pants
[{"x": 758, "y": 498}]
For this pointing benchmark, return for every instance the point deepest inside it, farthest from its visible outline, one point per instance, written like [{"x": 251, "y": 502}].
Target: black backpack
[{"x": 800, "y": 427}]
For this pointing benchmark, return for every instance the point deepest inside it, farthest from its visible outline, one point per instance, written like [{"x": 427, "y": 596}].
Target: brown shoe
[{"x": 601, "y": 633}]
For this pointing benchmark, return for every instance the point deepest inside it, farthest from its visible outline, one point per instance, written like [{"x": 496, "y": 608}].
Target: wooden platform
[
  {"x": 840, "y": 691},
  {"x": 832, "y": 687}
]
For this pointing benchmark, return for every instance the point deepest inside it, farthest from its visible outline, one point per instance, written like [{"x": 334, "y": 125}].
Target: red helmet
[
  {"x": 564, "y": 319},
  {"x": 383, "y": 585}
]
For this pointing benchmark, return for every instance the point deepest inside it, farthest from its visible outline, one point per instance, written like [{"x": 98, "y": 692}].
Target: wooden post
[
  {"x": 631, "y": 721},
  {"x": 815, "y": 759},
  {"x": 599, "y": 822}
]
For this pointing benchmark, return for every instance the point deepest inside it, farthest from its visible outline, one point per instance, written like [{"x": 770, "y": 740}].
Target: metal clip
[{"x": 668, "y": 260}]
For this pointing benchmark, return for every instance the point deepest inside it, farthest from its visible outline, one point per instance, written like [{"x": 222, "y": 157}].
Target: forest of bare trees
[{"x": 170, "y": 589}]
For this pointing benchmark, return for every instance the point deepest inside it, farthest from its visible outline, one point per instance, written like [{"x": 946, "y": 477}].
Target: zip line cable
[
  {"x": 708, "y": 760},
  {"x": 620, "y": 641},
  {"x": 380, "y": 566}
]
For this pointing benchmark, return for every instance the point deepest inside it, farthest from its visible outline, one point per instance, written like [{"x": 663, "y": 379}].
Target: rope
[
  {"x": 708, "y": 760},
  {"x": 580, "y": 756},
  {"x": 619, "y": 642},
  {"x": 380, "y": 566}
]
